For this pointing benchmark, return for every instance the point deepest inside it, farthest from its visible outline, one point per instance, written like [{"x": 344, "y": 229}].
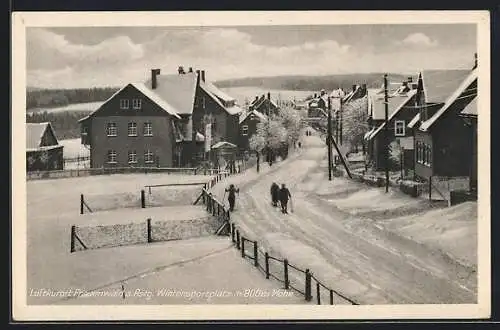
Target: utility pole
[
  {"x": 341, "y": 124},
  {"x": 386, "y": 134},
  {"x": 329, "y": 140}
]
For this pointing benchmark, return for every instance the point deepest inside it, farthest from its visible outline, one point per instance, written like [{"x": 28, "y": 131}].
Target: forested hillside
[
  {"x": 41, "y": 98},
  {"x": 65, "y": 123},
  {"x": 330, "y": 82}
]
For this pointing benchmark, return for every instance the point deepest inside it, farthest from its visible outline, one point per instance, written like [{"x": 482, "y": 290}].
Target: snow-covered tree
[
  {"x": 291, "y": 121},
  {"x": 355, "y": 116}
]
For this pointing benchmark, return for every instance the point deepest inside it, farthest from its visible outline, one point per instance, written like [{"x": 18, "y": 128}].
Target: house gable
[
  {"x": 150, "y": 104},
  {"x": 40, "y": 135}
]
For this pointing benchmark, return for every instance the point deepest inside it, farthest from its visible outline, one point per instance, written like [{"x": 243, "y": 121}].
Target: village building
[
  {"x": 168, "y": 120},
  {"x": 318, "y": 105},
  {"x": 357, "y": 92},
  {"x": 469, "y": 115},
  {"x": 248, "y": 128},
  {"x": 264, "y": 105},
  {"x": 43, "y": 151},
  {"x": 401, "y": 110},
  {"x": 443, "y": 141}
]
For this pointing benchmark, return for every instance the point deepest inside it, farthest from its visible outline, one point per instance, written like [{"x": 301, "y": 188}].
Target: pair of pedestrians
[{"x": 281, "y": 195}]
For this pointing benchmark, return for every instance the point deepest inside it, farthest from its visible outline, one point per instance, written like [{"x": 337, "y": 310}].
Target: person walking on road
[
  {"x": 275, "y": 194},
  {"x": 232, "y": 191},
  {"x": 284, "y": 196}
]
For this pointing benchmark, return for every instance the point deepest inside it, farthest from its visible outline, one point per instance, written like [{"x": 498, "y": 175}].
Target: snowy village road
[{"x": 351, "y": 255}]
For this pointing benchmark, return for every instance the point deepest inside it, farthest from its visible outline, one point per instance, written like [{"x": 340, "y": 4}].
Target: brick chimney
[
  {"x": 203, "y": 75},
  {"x": 154, "y": 81},
  {"x": 198, "y": 75}
]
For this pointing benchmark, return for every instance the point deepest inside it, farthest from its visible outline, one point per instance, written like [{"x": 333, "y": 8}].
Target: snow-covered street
[{"x": 352, "y": 254}]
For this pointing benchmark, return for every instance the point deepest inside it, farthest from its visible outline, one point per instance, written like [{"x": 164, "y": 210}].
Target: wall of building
[
  {"x": 45, "y": 160},
  {"x": 422, "y": 170},
  {"x": 161, "y": 143}
]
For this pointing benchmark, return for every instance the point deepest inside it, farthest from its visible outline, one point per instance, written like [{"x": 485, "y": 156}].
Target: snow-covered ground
[
  {"x": 204, "y": 264},
  {"x": 73, "y": 148},
  {"x": 353, "y": 253}
]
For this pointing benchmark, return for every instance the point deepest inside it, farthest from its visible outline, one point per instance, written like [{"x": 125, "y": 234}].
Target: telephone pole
[
  {"x": 341, "y": 124},
  {"x": 329, "y": 140},
  {"x": 386, "y": 134}
]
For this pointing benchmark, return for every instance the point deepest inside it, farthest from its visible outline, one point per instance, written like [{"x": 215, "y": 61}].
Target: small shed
[
  {"x": 223, "y": 154},
  {"x": 43, "y": 151}
]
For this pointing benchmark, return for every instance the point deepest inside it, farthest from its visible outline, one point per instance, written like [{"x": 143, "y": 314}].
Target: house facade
[
  {"x": 264, "y": 105},
  {"x": 169, "y": 120},
  {"x": 443, "y": 143},
  {"x": 401, "y": 110},
  {"x": 248, "y": 128},
  {"x": 43, "y": 151}
]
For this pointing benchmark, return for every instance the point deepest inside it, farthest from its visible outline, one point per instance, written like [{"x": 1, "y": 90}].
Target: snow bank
[{"x": 451, "y": 230}]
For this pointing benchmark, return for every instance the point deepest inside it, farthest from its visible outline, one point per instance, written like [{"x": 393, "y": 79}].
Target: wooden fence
[
  {"x": 106, "y": 171},
  {"x": 283, "y": 271}
]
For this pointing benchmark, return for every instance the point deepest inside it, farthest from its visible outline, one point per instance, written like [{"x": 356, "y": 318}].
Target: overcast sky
[{"x": 103, "y": 56}]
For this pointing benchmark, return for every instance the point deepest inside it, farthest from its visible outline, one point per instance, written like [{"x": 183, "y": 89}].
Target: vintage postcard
[{"x": 250, "y": 165}]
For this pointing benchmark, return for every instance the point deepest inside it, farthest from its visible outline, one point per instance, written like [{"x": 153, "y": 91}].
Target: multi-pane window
[
  {"x": 136, "y": 103},
  {"x": 399, "y": 128},
  {"x": 148, "y": 129},
  {"x": 149, "y": 156},
  {"x": 111, "y": 129},
  {"x": 244, "y": 130},
  {"x": 132, "y": 157},
  {"x": 124, "y": 104},
  {"x": 132, "y": 129},
  {"x": 112, "y": 156},
  {"x": 428, "y": 154}
]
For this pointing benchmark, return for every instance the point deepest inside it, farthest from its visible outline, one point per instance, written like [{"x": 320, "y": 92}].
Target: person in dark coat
[
  {"x": 275, "y": 193},
  {"x": 284, "y": 196},
  {"x": 232, "y": 191}
]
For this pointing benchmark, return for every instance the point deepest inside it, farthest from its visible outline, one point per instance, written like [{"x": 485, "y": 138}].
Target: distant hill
[{"x": 328, "y": 82}]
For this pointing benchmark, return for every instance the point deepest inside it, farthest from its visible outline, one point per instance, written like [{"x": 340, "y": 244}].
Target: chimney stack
[
  {"x": 190, "y": 70},
  {"x": 256, "y": 98},
  {"x": 154, "y": 81},
  {"x": 268, "y": 95},
  {"x": 353, "y": 88},
  {"x": 203, "y": 75},
  {"x": 198, "y": 75},
  {"x": 410, "y": 79},
  {"x": 180, "y": 70}
]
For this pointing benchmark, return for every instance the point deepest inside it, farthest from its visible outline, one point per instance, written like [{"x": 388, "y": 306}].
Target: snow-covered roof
[
  {"x": 414, "y": 120},
  {"x": 409, "y": 96},
  {"x": 34, "y": 134},
  {"x": 470, "y": 109},
  {"x": 367, "y": 134},
  {"x": 221, "y": 98},
  {"x": 459, "y": 91},
  {"x": 440, "y": 84},
  {"x": 217, "y": 92},
  {"x": 256, "y": 113},
  {"x": 395, "y": 103},
  {"x": 178, "y": 89},
  {"x": 222, "y": 144},
  {"x": 152, "y": 95}
]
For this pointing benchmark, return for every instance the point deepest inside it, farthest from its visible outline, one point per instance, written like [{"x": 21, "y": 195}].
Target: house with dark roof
[
  {"x": 168, "y": 120},
  {"x": 317, "y": 107},
  {"x": 357, "y": 92},
  {"x": 248, "y": 128},
  {"x": 443, "y": 144},
  {"x": 43, "y": 151},
  {"x": 401, "y": 110},
  {"x": 265, "y": 105}
]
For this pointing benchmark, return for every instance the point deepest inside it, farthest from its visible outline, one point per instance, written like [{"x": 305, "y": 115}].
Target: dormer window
[{"x": 124, "y": 104}]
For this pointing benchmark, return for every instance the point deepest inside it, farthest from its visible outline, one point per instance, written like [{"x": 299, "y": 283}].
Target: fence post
[
  {"x": 308, "y": 285},
  {"x": 267, "y": 265},
  {"x": 232, "y": 233},
  {"x": 243, "y": 247},
  {"x": 285, "y": 266},
  {"x": 143, "y": 199},
  {"x": 238, "y": 239},
  {"x": 255, "y": 255},
  {"x": 72, "y": 243},
  {"x": 318, "y": 293},
  {"x": 150, "y": 239},
  {"x": 331, "y": 297},
  {"x": 81, "y": 203}
]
